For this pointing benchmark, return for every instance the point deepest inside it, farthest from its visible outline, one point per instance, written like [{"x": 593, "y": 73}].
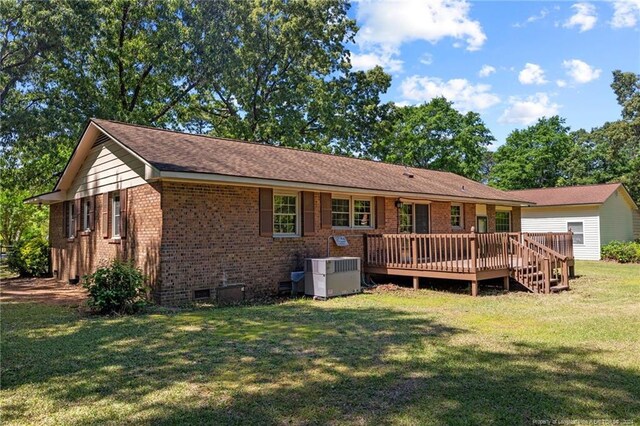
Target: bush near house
[
  {"x": 622, "y": 252},
  {"x": 117, "y": 288},
  {"x": 30, "y": 257}
]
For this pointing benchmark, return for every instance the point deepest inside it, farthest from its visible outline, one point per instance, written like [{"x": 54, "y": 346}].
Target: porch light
[{"x": 398, "y": 204}]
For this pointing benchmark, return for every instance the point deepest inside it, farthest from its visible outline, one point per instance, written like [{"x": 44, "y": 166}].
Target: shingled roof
[
  {"x": 568, "y": 195},
  {"x": 171, "y": 151}
]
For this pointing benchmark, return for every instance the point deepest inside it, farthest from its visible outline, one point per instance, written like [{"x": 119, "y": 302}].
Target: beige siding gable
[
  {"x": 108, "y": 167},
  {"x": 616, "y": 218}
]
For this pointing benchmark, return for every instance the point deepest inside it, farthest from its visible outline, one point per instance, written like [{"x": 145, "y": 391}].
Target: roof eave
[{"x": 260, "y": 182}]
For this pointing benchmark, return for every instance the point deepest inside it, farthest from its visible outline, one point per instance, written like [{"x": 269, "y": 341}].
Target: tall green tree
[
  {"x": 436, "y": 136},
  {"x": 533, "y": 157}
]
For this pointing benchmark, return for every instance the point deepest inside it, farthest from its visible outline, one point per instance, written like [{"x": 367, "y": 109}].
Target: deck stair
[{"x": 537, "y": 267}]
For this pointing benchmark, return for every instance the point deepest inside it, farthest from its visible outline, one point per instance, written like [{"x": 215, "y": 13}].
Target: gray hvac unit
[{"x": 331, "y": 276}]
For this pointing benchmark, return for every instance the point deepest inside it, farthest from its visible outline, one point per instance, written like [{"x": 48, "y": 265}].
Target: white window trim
[
  {"x": 352, "y": 213},
  {"x": 413, "y": 205},
  {"x": 579, "y": 233},
  {"x": 113, "y": 217},
  {"x": 461, "y": 226},
  {"x": 298, "y": 221},
  {"x": 86, "y": 212},
  {"x": 510, "y": 219}
]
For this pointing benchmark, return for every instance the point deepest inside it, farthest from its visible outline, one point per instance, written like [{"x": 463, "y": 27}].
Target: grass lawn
[{"x": 385, "y": 358}]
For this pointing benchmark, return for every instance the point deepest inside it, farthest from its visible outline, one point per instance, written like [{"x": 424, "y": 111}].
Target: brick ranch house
[{"x": 197, "y": 213}]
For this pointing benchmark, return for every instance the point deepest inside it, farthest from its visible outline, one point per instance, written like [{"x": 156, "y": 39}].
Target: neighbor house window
[
  {"x": 362, "y": 213},
  {"x": 285, "y": 214},
  {"x": 86, "y": 212},
  {"x": 71, "y": 219},
  {"x": 115, "y": 215},
  {"x": 578, "y": 231},
  {"x": 503, "y": 221},
  {"x": 406, "y": 218},
  {"x": 340, "y": 212},
  {"x": 456, "y": 216}
]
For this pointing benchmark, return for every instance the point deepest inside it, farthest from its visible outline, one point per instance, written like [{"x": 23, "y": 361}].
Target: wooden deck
[{"x": 474, "y": 257}]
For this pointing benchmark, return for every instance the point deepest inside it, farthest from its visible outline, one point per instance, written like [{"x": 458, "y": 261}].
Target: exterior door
[
  {"x": 422, "y": 218},
  {"x": 481, "y": 224}
]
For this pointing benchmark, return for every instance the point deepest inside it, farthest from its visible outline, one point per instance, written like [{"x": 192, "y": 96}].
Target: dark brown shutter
[
  {"x": 308, "y": 214},
  {"x": 123, "y": 213},
  {"x": 266, "y": 212},
  {"x": 380, "y": 210},
  {"x": 325, "y": 207},
  {"x": 105, "y": 215},
  {"x": 77, "y": 215},
  {"x": 92, "y": 212},
  {"x": 65, "y": 219}
]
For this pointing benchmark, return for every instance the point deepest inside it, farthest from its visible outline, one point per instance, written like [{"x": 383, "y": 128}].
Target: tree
[
  {"x": 436, "y": 136},
  {"x": 533, "y": 157}
]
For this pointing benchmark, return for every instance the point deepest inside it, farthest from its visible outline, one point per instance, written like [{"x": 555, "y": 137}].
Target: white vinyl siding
[
  {"x": 616, "y": 219},
  {"x": 555, "y": 219},
  {"x": 108, "y": 167}
]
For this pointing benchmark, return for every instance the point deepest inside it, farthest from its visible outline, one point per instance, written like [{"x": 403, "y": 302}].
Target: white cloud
[
  {"x": 527, "y": 110},
  {"x": 543, "y": 14},
  {"x": 585, "y": 17},
  {"x": 366, "y": 61},
  {"x": 532, "y": 74},
  {"x": 486, "y": 71},
  {"x": 465, "y": 95},
  {"x": 626, "y": 13},
  {"x": 580, "y": 71},
  {"x": 393, "y": 24},
  {"x": 426, "y": 59},
  {"x": 561, "y": 83}
]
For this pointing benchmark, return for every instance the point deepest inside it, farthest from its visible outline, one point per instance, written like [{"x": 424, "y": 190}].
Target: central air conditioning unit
[{"x": 331, "y": 276}]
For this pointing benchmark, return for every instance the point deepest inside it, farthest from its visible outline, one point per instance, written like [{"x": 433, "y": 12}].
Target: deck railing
[
  {"x": 459, "y": 253},
  {"x": 561, "y": 242}
]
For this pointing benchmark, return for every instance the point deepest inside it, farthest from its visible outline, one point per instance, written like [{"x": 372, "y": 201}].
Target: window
[
  {"x": 285, "y": 214},
  {"x": 481, "y": 225},
  {"x": 362, "y": 213},
  {"x": 456, "y": 216},
  {"x": 578, "y": 231},
  {"x": 503, "y": 221},
  {"x": 115, "y": 216},
  {"x": 406, "y": 218},
  {"x": 340, "y": 212},
  {"x": 86, "y": 212},
  {"x": 71, "y": 219},
  {"x": 351, "y": 212}
]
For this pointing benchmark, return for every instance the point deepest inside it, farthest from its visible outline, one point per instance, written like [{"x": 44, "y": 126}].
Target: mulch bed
[{"x": 48, "y": 291}]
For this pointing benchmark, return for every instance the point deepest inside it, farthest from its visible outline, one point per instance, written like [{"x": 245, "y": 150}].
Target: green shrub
[
  {"x": 117, "y": 288},
  {"x": 30, "y": 257},
  {"x": 622, "y": 252}
]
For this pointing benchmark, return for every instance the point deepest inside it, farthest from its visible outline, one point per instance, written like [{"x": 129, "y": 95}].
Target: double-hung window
[
  {"x": 351, "y": 212},
  {"x": 71, "y": 219},
  {"x": 86, "y": 212},
  {"x": 578, "y": 232},
  {"x": 503, "y": 221},
  {"x": 285, "y": 214},
  {"x": 115, "y": 216},
  {"x": 456, "y": 216},
  {"x": 340, "y": 212}
]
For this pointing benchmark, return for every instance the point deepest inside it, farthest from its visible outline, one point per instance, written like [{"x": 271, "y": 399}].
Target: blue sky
[{"x": 510, "y": 61}]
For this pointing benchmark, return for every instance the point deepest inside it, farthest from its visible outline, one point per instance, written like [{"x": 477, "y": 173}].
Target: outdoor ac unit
[{"x": 332, "y": 276}]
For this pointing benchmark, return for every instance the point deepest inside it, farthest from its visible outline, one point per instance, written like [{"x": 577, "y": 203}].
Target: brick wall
[{"x": 88, "y": 250}]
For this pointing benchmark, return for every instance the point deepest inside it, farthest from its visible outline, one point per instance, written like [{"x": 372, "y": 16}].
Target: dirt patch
[{"x": 41, "y": 290}]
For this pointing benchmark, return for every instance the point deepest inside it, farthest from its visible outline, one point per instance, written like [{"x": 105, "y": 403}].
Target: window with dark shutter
[
  {"x": 105, "y": 215},
  {"x": 92, "y": 212},
  {"x": 266, "y": 212},
  {"x": 124, "y": 216}
]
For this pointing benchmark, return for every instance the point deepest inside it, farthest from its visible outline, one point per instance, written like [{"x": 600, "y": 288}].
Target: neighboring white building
[{"x": 597, "y": 214}]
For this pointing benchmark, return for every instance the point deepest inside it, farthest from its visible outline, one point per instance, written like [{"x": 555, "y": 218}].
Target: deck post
[
  {"x": 416, "y": 283},
  {"x": 474, "y": 250},
  {"x": 414, "y": 252},
  {"x": 474, "y": 288},
  {"x": 506, "y": 283},
  {"x": 546, "y": 266}
]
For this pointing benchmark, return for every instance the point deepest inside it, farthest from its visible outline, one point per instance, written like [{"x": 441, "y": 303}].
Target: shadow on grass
[{"x": 302, "y": 363}]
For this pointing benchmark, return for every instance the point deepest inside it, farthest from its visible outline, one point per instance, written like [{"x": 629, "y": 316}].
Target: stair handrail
[
  {"x": 541, "y": 259},
  {"x": 544, "y": 248}
]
